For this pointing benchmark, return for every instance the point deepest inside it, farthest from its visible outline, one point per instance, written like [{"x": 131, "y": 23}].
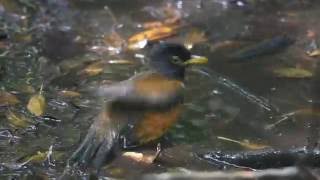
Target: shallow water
[{"x": 51, "y": 42}]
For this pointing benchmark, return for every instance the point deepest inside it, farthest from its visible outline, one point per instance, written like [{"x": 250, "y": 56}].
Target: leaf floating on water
[
  {"x": 18, "y": 121},
  {"x": 120, "y": 61},
  {"x": 71, "y": 94},
  {"x": 245, "y": 143},
  {"x": 139, "y": 157},
  {"x": 292, "y": 73},
  {"x": 314, "y": 53},
  {"x": 153, "y": 34},
  {"x": 7, "y": 99},
  {"x": 38, "y": 157},
  {"x": 93, "y": 69},
  {"x": 193, "y": 37},
  {"x": 37, "y": 104}
]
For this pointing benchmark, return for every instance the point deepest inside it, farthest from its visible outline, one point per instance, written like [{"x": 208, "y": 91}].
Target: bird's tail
[{"x": 98, "y": 146}]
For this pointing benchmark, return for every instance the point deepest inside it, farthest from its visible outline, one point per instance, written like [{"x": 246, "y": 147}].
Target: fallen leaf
[
  {"x": 119, "y": 61},
  {"x": 292, "y": 73},
  {"x": 38, "y": 157},
  {"x": 152, "y": 24},
  {"x": 37, "y": 104},
  {"x": 139, "y": 157},
  {"x": 71, "y": 94},
  {"x": 7, "y": 99},
  {"x": 314, "y": 53},
  {"x": 152, "y": 35},
  {"x": 94, "y": 68},
  {"x": 245, "y": 143},
  {"x": 172, "y": 21},
  {"x": 18, "y": 121}
]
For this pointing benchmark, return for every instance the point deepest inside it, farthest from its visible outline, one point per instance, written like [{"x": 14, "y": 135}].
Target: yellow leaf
[
  {"x": 37, "y": 104},
  {"x": 292, "y": 73},
  {"x": 7, "y": 99},
  {"x": 38, "y": 157},
  {"x": 245, "y": 143},
  {"x": 18, "y": 121}
]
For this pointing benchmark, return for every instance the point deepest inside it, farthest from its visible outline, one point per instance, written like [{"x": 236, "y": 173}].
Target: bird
[{"x": 138, "y": 110}]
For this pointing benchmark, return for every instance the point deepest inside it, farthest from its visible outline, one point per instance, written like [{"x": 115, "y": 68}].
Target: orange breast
[
  {"x": 157, "y": 86},
  {"x": 155, "y": 124}
]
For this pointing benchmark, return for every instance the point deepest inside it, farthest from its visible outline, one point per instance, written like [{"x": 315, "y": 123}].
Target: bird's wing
[{"x": 146, "y": 90}]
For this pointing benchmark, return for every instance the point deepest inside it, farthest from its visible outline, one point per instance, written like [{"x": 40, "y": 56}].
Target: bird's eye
[{"x": 176, "y": 60}]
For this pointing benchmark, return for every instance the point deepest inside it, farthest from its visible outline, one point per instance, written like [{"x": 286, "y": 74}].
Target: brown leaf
[
  {"x": 94, "y": 68},
  {"x": 7, "y": 99},
  {"x": 152, "y": 35}
]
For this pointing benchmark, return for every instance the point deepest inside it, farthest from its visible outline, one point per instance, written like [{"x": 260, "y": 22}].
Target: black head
[{"x": 168, "y": 59}]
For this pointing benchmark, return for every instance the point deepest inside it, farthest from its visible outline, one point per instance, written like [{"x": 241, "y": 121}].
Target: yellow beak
[{"x": 196, "y": 60}]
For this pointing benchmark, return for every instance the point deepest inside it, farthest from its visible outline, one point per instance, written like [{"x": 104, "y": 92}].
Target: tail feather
[{"x": 97, "y": 147}]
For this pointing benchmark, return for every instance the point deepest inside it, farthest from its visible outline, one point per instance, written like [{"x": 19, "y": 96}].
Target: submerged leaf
[
  {"x": 38, "y": 157},
  {"x": 18, "y": 121},
  {"x": 7, "y": 99},
  {"x": 292, "y": 73},
  {"x": 245, "y": 143},
  {"x": 37, "y": 105}
]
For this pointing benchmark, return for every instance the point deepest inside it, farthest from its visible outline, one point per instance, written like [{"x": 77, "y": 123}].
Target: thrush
[{"x": 140, "y": 109}]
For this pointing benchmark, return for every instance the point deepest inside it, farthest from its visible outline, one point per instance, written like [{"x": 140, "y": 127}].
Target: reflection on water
[{"x": 56, "y": 43}]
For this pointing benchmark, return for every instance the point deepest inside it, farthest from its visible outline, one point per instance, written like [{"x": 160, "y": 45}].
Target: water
[{"x": 51, "y": 42}]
